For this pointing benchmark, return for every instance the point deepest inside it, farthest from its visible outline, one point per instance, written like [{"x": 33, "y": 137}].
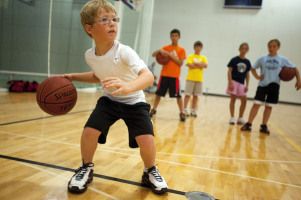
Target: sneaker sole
[
  {"x": 146, "y": 183},
  {"x": 266, "y": 133},
  {"x": 245, "y": 130},
  {"x": 76, "y": 190}
]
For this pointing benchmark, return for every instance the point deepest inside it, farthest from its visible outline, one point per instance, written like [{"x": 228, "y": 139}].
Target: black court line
[
  {"x": 39, "y": 118},
  {"x": 178, "y": 192}
]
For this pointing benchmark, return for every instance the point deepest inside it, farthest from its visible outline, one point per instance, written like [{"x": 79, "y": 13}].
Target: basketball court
[{"x": 39, "y": 152}]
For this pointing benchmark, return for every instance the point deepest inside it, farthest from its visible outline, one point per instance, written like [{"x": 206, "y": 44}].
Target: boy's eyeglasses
[{"x": 106, "y": 20}]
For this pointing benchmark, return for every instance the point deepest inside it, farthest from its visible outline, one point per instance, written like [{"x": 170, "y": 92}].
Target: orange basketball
[
  {"x": 56, "y": 95},
  {"x": 161, "y": 59},
  {"x": 287, "y": 73}
]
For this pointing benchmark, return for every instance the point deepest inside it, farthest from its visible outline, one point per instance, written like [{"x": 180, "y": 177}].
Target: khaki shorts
[{"x": 193, "y": 88}]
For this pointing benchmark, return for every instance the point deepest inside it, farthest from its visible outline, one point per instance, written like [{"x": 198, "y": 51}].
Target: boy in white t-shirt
[{"x": 123, "y": 76}]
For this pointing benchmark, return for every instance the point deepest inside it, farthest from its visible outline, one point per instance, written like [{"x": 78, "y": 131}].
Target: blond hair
[{"x": 91, "y": 10}]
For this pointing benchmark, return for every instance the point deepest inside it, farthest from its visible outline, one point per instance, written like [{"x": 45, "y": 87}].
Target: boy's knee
[
  {"x": 91, "y": 132},
  {"x": 268, "y": 106},
  {"x": 144, "y": 139},
  {"x": 257, "y": 104},
  {"x": 243, "y": 98}
]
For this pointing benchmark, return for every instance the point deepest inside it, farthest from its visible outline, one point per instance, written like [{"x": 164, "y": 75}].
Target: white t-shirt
[{"x": 120, "y": 61}]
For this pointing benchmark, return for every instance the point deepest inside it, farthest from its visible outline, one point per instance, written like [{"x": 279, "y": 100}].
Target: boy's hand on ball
[
  {"x": 164, "y": 53},
  {"x": 298, "y": 85},
  {"x": 121, "y": 87},
  {"x": 68, "y": 76}
]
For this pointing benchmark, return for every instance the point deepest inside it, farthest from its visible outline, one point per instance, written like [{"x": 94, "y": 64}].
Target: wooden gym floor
[{"x": 204, "y": 154}]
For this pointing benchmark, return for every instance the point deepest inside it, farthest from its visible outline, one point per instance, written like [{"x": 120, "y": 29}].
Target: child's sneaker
[
  {"x": 246, "y": 127},
  {"x": 152, "y": 112},
  {"x": 186, "y": 112},
  {"x": 151, "y": 178},
  {"x": 264, "y": 129},
  {"x": 193, "y": 114},
  {"x": 241, "y": 121},
  {"x": 82, "y": 177},
  {"x": 232, "y": 121},
  {"x": 182, "y": 117}
]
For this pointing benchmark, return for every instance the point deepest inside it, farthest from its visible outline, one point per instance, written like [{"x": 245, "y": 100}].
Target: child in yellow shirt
[{"x": 196, "y": 64}]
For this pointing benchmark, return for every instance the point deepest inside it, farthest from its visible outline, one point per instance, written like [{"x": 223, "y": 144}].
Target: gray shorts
[{"x": 193, "y": 88}]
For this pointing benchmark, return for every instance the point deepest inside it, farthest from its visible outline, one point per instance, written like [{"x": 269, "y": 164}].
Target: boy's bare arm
[
  {"x": 175, "y": 59},
  {"x": 145, "y": 79},
  {"x": 191, "y": 65},
  {"x": 247, "y": 80},
  {"x": 88, "y": 77},
  {"x": 229, "y": 75},
  {"x": 201, "y": 65},
  {"x": 162, "y": 51},
  {"x": 155, "y": 53},
  {"x": 255, "y": 74},
  {"x": 298, "y": 83}
]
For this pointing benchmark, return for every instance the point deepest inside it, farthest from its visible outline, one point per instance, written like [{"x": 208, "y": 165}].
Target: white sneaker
[
  {"x": 241, "y": 121},
  {"x": 186, "y": 112},
  {"x": 151, "y": 178},
  {"x": 193, "y": 114},
  {"x": 232, "y": 121},
  {"x": 80, "y": 180}
]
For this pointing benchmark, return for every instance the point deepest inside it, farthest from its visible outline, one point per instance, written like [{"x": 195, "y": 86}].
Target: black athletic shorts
[
  {"x": 268, "y": 94},
  {"x": 107, "y": 112},
  {"x": 170, "y": 84}
]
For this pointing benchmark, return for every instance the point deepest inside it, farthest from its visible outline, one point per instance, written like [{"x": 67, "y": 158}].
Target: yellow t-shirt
[{"x": 195, "y": 74}]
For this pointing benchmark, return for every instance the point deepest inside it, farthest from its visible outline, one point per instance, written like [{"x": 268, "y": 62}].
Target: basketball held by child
[
  {"x": 287, "y": 73},
  {"x": 56, "y": 95},
  {"x": 162, "y": 59}
]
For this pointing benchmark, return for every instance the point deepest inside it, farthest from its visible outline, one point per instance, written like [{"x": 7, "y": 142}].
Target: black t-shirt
[{"x": 240, "y": 68}]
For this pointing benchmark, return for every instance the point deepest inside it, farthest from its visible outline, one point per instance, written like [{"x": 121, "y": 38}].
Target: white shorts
[{"x": 193, "y": 88}]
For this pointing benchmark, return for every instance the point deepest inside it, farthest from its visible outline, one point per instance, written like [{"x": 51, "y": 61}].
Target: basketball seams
[
  {"x": 287, "y": 74},
  {"x": 56, "y": 103},
  {"x": 49, "y": 111},
  {"x": 44, "y": 84},
  {"x": 61, "y": 112},
  {"x": 57, "y": 90},
  {"x": 61, "y": 89}
]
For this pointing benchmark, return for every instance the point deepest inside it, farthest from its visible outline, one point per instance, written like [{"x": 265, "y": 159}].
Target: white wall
[{"x": 222, "y": 30}]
